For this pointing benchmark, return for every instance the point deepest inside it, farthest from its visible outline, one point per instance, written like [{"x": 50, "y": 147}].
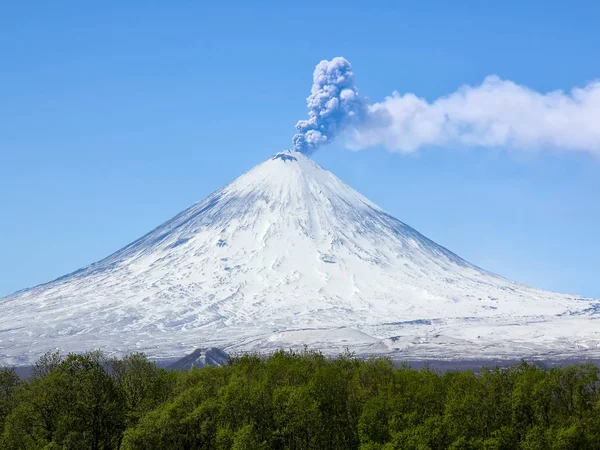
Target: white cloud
[{"x": 497, "y": 113}]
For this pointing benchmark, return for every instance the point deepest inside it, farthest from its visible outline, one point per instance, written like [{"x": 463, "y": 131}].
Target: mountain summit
[{"x": 288, "y": 255}]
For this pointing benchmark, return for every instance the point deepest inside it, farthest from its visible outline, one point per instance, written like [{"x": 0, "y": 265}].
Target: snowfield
[{"x": 289, "y": 255}]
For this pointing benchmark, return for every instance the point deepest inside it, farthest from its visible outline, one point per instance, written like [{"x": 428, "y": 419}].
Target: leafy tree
[
  {"x": 297, "y": 419},
  {"x": 9, "y": 381},
  {"x": 142, "y": 384},
  {"x": 247, "y": 438},
  {"x": 373, "y": 425},
  {"x": 71, "y": 402}
]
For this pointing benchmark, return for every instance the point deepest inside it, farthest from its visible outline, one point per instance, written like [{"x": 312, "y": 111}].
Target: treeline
[{"x": 295, "y": 401}]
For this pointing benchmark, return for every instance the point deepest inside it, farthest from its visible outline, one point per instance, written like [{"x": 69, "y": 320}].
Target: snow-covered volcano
[{"x": 288, "y": 255}]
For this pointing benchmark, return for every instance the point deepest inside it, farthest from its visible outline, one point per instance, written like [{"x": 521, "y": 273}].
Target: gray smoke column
[{"x": 332, "y": 105}]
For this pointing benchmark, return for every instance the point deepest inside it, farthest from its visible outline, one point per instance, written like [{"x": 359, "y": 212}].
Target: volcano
[{"x": 288, "y": 255}]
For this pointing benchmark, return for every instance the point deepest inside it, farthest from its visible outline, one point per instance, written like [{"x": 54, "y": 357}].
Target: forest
[{"x": 295, "y": 400}]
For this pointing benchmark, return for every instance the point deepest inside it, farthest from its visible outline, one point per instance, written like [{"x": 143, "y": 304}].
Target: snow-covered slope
[
  {"x": 288, "y": 255},
  {"x": 201, "y": 357}
]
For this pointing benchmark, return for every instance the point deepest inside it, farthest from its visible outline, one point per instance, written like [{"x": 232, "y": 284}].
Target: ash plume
[
  {"x": 495, "y": 113},
  {"x": 332, "y": 105}
]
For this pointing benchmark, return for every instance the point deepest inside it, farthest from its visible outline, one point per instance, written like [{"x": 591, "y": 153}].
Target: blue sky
[{"x": 116, "y": 116}]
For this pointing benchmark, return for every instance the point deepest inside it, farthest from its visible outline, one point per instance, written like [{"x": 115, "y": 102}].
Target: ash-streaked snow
[{"x": 289, "y": 255}]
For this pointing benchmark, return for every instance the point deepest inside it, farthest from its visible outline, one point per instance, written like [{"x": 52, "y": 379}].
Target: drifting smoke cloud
[{"x": 496, "y": 113}]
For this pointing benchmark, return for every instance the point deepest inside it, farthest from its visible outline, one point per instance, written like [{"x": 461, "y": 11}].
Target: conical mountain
[{"x": 286, "y": 255}]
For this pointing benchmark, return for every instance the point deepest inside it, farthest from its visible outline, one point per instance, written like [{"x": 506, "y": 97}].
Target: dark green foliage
[
  {"x": 9, "y": 382},
  {"x": 80, "y": 402},
  {"x": 294, "y": 400}
]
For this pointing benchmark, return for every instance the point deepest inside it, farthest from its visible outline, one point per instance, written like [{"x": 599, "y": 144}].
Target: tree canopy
[{"x": 295, "y": 400}]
